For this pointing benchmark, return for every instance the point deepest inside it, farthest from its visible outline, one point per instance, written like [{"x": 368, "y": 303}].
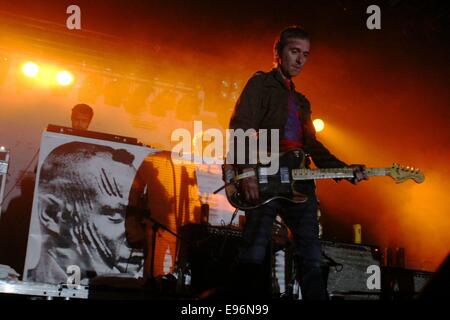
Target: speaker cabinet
[{"x": 349, "y": 268}]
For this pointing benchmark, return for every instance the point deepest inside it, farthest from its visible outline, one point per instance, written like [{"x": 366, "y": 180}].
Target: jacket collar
[{"x": 276, "y": 79}]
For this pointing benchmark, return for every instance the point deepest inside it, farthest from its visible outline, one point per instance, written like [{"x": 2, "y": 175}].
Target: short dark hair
[
  {"x": 294, "y": 31},
  {"x": 84, "y": 109}
]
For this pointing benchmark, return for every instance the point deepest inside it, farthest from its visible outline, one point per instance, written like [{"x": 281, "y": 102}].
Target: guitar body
[{"x": 278, "y": 186}]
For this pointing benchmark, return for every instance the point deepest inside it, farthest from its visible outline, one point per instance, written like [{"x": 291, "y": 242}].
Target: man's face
[
  {"x": 294, "y": 56},
  {"x": 80, "y": 121},
  {"x": 98, "y": 226}
]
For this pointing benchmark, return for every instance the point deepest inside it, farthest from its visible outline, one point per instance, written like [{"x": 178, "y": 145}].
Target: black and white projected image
[{"x": 82, "y": 198}]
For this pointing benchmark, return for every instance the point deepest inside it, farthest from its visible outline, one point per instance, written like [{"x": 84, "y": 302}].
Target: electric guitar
[{"x": 283, "y": 184}]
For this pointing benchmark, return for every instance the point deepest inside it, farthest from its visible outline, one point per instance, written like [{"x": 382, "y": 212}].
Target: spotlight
[
  {"x": 64, "y": 78},
  {"x": 319, "y": 125},
  {"x": 30, "y": 69}
]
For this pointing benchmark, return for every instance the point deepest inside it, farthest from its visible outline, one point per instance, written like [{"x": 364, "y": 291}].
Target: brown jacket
[{"x": 263, "y": 104}]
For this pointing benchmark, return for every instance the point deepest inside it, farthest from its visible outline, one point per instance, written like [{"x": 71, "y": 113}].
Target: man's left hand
[{"x": 359, "y": 173}]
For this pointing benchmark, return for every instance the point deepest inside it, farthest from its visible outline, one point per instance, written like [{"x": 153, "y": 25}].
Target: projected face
[
  {"x": 100, "y": 222},
  {"x": 83, "y": 203},
  {"x": 294, "y": 56}
]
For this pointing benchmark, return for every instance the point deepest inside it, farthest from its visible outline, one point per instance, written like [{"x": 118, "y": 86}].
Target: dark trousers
[{"x": 301, "y": 219}]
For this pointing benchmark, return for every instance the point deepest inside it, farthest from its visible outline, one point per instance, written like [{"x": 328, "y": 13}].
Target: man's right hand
[{"x": 250, "y": 187}]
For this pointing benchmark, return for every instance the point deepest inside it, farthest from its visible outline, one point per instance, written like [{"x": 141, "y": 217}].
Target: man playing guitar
[{"x": 270, "y": 101}]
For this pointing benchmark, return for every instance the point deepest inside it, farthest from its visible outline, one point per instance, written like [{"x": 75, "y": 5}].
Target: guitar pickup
[
  {"x": 284, "y": 175},
  {"x": 262, "y": 175}
]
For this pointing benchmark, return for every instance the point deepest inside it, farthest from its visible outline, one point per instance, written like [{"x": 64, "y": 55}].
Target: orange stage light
[
  {"x": 30, "y": 69},
  {"x": 319, "y": 125},
  {"x": 64, "y": 78}
]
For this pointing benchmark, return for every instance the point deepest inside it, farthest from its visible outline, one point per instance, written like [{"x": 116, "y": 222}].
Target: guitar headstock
[{"x": 401, "y": 173}]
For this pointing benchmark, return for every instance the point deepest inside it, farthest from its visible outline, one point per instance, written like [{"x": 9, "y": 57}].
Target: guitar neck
[{"x": 333, "y": 173}]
